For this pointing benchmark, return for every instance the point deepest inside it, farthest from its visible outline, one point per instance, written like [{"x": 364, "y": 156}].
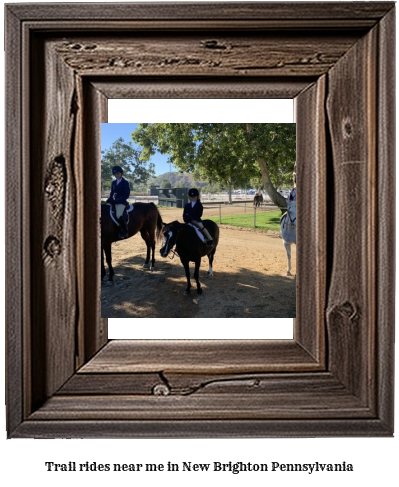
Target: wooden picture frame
[{"x": 335, "y": 378}]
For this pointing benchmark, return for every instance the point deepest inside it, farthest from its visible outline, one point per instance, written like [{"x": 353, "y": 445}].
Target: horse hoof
[
  {"x": 199, "y": 291},
  {"x": 187, "y": 292},
  {"x": 289, "y": 273},
  {"x": 146, "y": 266},
  {"x": 152, "y": 268}
]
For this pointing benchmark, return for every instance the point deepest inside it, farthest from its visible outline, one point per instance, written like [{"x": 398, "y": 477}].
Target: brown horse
[
  {"x": 258, "y": 200},
  {"x": 144, "y": 218}
]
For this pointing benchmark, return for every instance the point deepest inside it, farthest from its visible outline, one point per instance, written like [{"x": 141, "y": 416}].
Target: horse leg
[
  {"x": 187, "y": 270},
  {"x": 145, "y": 236},
  {"x": 210, "y": 259},
  {"x": 108, "y": 257},
  {"x": 196, "y": 276},
  {"x": 151, "y": 234},
  {"x": 288, "y": 250}
]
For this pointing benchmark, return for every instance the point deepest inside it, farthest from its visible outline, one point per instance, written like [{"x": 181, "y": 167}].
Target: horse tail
[{"x": 159, "y": 223}]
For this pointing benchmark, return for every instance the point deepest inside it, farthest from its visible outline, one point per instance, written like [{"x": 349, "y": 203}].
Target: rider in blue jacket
[
  {"x": 120, "y": 191},
  {"x": 193, "y": 212}
]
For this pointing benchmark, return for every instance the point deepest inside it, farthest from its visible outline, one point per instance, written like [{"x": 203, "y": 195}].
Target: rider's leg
[
  {"x": 119, "y": 209},
  {"x": 200, "y": 225}
]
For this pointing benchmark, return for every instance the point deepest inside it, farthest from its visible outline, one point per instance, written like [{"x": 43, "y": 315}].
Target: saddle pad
[
  {"x": 125, "y": 214},
  {"x": 199, "y": 233}
]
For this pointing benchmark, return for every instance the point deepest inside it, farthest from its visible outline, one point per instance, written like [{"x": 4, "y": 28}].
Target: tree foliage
[
  {"x": 165, "y": 184},
  {"x": 136, "y": 169},
  {"x": 228, "y": 153}
]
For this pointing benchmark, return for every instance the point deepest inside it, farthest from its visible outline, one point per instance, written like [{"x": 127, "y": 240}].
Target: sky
[{"x": 112, "y": 131}]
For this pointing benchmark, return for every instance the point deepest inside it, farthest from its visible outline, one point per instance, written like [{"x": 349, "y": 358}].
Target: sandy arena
[{"x": 249, "y": 279}]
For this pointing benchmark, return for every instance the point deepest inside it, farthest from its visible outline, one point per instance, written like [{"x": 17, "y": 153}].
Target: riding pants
[
  {"x": 119, "y": 209},
  {"x": 197, "y": 224},
  {"x": 204, "y": 231}
]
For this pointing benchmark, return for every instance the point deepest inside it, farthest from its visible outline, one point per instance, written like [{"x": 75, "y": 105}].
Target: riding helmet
[
  {"x": 193, "y": 192},
  {"x": 116, "y": 169}
]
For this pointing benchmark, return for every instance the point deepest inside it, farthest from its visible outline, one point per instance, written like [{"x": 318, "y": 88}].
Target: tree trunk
[
  {"x": 230, "y": 196},
  {"x": 274, "y": 195}
]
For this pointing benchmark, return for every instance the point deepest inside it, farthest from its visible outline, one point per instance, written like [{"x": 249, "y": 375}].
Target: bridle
[
  {"x": 175, "y": 253},
  {"x": 292, "y": 220},
  {"x": 171, "y": 250},
  {"x": 289, "y": 216}
]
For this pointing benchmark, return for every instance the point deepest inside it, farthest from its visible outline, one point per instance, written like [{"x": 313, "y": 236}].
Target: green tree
[
  {"x": 136, "y": 169},
  {"x": 273, "y": 146},
  {"x": 165, "y": 184},
  {"x": 230, "y": 154}
]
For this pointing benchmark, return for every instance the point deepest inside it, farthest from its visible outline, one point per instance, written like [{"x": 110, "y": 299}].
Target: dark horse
[
  {"x": 258, "y": 200},
  {"x": 189, "y": 247},
  {"x": 144, "y": 218}
]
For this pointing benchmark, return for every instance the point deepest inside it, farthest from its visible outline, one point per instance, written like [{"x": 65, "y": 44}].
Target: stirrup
[{"x": 209, "y": 243}]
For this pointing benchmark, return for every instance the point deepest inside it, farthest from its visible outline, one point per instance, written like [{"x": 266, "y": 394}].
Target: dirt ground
[{"x": 249, "y": 279}]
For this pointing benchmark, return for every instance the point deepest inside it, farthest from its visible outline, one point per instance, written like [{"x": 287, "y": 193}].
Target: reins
[
  {"x": 292, "y": 221},
  {"x": 174, "y": 252}
]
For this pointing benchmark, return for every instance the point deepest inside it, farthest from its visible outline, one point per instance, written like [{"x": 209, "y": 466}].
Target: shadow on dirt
[{"x": 238, "y": 293}]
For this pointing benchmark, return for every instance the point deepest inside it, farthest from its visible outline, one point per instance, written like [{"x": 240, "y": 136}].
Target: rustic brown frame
[{"x": 336, "y": 377}]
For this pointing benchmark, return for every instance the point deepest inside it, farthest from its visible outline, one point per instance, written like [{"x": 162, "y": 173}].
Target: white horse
[{"x": 288, "y": 230}]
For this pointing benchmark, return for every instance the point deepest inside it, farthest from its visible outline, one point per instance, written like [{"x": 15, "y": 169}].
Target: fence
[
  {"x": 223, "y": 211},
  {"x": 205, "y": 197},
  {"x": 217, "y": 206}
]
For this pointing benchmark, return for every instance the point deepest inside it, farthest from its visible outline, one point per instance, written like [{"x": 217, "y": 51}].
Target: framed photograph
[
  {"x": 250, "y": 281},
  {"x": 65, "y": 378}
]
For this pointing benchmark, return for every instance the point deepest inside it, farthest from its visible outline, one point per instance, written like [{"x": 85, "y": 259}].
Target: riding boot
[
  {"x": 123, "y": 228},
  {"x": 209, "y": 240}
]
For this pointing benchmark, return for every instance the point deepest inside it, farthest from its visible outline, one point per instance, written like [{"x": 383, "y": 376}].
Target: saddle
[
  {"x": 200, "y": 235},
  {"x": 125, "y": 214}
]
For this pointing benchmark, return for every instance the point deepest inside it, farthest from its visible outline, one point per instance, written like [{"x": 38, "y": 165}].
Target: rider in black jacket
[
  {"x": 193, "y": 212},
  {"x": 120, "y": 191}
]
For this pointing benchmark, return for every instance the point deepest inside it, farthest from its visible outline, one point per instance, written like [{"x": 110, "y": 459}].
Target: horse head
[{"x": 170, "y": 233}]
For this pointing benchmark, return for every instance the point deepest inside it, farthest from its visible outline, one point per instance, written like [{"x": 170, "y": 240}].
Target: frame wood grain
[{"x": 64, "y": 378}]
